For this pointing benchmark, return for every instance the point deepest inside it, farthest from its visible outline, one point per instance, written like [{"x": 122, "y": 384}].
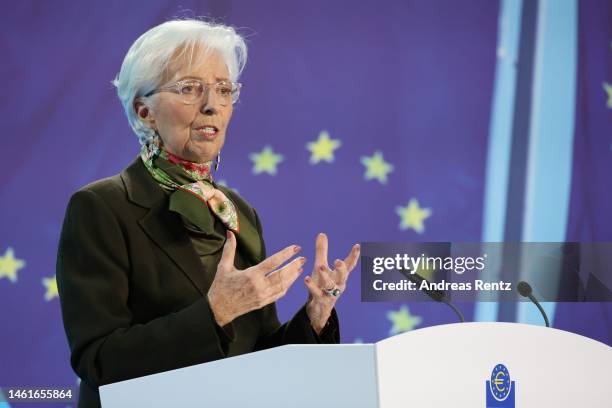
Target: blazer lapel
[{"x": 162, "y": 226}]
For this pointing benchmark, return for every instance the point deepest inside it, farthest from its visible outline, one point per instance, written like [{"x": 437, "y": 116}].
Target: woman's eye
[
  {"x": 188, "y": 89},
  {"x": 224, "y": 90}
]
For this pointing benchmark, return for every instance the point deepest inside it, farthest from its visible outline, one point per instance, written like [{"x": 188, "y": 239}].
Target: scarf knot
[{"x": 182, "y": 176}]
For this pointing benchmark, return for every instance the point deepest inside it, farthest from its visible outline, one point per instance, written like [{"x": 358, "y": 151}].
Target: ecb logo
[{"x": 500, "y": 389}]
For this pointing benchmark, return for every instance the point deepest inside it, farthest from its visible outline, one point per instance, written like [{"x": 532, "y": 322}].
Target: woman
[{"x": 159, "y": 267}]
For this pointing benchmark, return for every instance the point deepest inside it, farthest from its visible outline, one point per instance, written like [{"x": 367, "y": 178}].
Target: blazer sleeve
[
  {"x": 298, "y": 329},
  {"x": 93, "y": 273}
]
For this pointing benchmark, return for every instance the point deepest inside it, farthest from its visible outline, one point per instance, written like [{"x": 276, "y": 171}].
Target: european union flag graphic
[
  {"x": 425, "y": 125},
  {"x": 500, "y": 389}
]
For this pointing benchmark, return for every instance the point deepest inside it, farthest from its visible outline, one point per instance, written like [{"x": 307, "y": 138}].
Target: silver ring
[{"x": 335, "y": 291}]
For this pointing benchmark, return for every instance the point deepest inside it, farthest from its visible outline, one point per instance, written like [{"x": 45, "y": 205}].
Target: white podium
[{"x": 440, "y": 366}]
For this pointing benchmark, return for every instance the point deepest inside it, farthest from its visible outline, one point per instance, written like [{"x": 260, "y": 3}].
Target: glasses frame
[{"x": 176, "y": 88}]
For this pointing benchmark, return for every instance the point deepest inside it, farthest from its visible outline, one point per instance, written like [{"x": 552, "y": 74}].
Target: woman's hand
[
  {"x": 235, "y": 292},
  {"x": 320, "y": 303}
]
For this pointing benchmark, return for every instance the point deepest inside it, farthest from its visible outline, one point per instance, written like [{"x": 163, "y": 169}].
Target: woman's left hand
[{"x": 323, "y": 279}]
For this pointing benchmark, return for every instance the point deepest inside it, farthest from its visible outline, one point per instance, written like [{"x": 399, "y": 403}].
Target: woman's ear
[{"x": 144, "y": 113}]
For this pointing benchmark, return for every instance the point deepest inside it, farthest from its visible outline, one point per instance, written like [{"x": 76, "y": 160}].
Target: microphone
[
  {"x": 437, "y": 295},
  {"x": 524, "y": 289}
]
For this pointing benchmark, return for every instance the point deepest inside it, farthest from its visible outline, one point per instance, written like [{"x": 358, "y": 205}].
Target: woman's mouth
[{"x": 207, "y": 132}]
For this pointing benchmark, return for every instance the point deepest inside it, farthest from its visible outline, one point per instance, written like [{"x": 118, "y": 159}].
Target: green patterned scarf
[{"x": 191, "y": 188}]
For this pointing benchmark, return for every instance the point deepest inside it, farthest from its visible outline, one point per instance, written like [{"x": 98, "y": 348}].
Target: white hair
[{"x": 147, "y": 61}]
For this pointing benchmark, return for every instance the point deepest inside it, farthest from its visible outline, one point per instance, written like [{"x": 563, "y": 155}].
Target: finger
[
  {"x": 321, "y": 245},
  {"x": 314, "y": 290},
  {"x": 353, "y": 257},
  {"x": 274, "y": 261},
  {"x": 325, "y": 279},
  {"x": 290, "y": 273},
  {"x": 282, "y": 279},
  {"x": 340, "y": 272},
  {"x": 229, "y": 251}
]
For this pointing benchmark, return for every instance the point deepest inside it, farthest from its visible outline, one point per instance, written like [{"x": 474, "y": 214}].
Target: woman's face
[{"x": 182, "y": 127}]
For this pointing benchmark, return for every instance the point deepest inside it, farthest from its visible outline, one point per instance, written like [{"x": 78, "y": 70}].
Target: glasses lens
[
  {"x": 191, "y": 91},
  {"x": 227, "y": 92}
]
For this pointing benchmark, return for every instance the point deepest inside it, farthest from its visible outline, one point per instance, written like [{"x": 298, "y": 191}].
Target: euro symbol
[{"x": 499, "y": 381}]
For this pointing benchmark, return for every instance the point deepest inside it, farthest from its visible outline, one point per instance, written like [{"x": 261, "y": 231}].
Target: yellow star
[
  {"x": 412, "y": 216},
  {"x": 9, "y": 265},
  {"x": 608, "y": 88},
  {"x": 266, "y": 161},
  {"x": 376, "y": 167},
  {"x": 323, "y": 148},
  {"x": 402, "y": 320},
  {"x": 51, "y": 285}
]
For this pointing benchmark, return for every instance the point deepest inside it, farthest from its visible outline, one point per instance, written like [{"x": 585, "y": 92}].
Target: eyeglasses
[{"x": 191, "y": 91}]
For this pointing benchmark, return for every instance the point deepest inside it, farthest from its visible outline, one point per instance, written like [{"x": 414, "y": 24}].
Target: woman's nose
[{"x": 210, "y": 101}]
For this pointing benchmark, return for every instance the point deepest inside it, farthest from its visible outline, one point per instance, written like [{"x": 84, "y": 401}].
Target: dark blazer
[{"x": 133, "y": 289}]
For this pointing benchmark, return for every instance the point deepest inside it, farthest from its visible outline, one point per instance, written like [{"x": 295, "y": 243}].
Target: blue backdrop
[{"x": 371, "y": 121}]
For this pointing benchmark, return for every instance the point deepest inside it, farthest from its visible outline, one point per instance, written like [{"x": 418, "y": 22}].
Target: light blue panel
[
  {"x": 500, "y": 135},
  {"x": 275, "y": 378},
  {"x": 3, "y": 403},
  {"x": 549, "y": 167}
]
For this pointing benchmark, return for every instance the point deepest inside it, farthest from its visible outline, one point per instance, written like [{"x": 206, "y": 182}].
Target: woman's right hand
[{"x": 235, "y": 292}]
